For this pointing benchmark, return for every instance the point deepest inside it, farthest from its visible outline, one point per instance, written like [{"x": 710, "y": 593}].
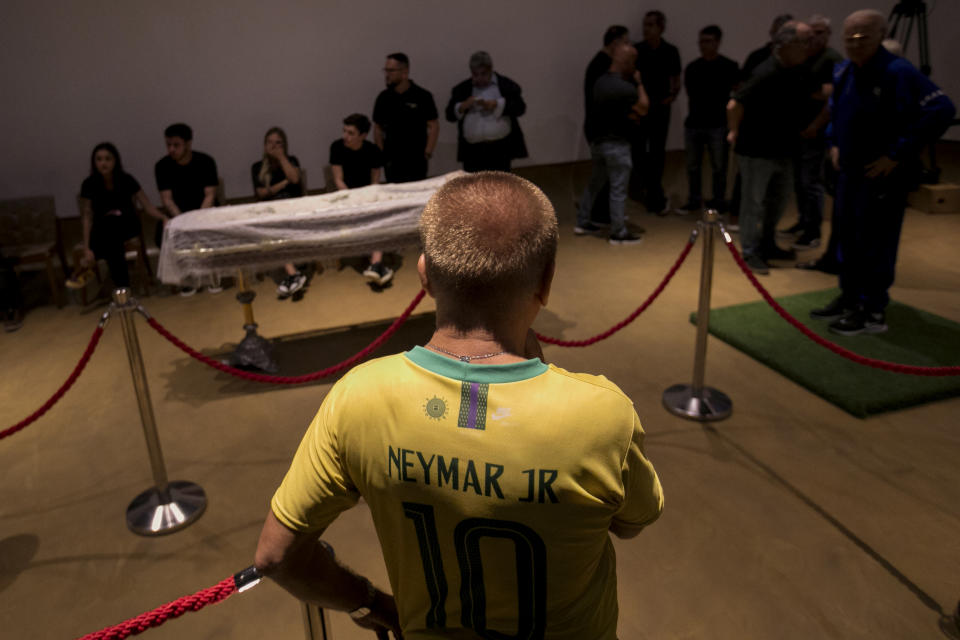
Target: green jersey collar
[{"x": 485, "y": 373}]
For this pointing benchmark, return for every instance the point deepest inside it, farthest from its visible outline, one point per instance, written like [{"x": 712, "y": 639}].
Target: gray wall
[{"x": 77, "y": 73}]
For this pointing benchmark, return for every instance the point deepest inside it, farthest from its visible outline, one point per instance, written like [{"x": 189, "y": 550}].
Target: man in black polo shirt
[
  {"x": 405, "y": 123},
  {"x": 708, "y": 80},
  {"x": 186, "y": 180},
  {"x": 658, "y": 62},
  {"x": 765, "y": 117}
]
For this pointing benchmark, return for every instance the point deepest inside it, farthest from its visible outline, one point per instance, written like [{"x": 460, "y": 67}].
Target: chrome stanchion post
[
  {"x": 696, "y": 401},
  {"x": 316, "y": 624},
  {"x": 167, "y": 506}
]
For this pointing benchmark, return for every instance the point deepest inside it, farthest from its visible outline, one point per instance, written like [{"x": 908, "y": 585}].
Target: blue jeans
[
  {"x": 611, "y": 162},
  {"x": 763, "y": 199},
  {"x": 715, "y": 141},
  {"x": 808, "y": 181}
]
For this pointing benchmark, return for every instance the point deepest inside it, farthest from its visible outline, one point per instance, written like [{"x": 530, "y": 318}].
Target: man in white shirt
[{"x": 486, "y": 107}]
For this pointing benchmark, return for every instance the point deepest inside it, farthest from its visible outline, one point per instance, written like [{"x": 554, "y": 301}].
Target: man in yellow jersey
[{"x": 493, "y": 479}]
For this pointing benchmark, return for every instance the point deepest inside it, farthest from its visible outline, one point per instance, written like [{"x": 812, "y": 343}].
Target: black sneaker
[
  {"x": 776, "y": 253},
  {"x": 586, "y": 229},
  {"x": 790, "y": 232},
  {"x": 625, "y": 237},
  {"x": 806, "y": 241},
  {"x": 757, "y": 265},
  {"x": 291, "y": 284},
  {"x": 834, "y": 309},
  {"x": 859, "y": 321}
]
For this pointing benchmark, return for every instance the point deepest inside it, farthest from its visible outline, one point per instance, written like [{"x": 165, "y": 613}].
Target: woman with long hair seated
[
  {"x": 108, "y": 199},
  {"x": 275, "y": 177}
]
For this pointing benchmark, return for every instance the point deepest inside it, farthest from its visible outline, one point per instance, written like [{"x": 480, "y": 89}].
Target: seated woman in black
[
  {"x": 108, "y": 200},
  {"x": 275, "y": 177}
]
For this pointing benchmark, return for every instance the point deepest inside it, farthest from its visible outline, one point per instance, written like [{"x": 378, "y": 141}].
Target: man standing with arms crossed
[
  {"x": 468, "y": 441},
  {"x": 405, "y": 123}
]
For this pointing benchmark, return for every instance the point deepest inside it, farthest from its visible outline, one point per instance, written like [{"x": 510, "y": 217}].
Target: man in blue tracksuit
[{"x": 883, "y": 113}]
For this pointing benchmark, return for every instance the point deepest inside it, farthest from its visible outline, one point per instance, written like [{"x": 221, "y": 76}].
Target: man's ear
[
  {"x": 422, "y": 272},
  {"x": 546, "y": 281}
]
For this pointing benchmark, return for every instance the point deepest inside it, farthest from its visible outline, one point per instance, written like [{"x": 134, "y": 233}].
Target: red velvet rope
[
  {"x": 309, "y": 377},
  {"x": 823, "y": 342},
  {"x": 211, "y": 595},
  {"x": 633, "y": 316},
  {"x": 77, "y": 370}
]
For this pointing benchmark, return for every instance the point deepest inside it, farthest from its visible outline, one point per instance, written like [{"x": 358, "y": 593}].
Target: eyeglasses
[
  {"x": 858, "y": 39},
  {"x": 388, "y": 70}
]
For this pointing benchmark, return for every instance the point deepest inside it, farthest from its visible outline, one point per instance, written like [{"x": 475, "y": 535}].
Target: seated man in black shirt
[
  {"x": 356, "y": 162},
  {"x": 186, "y": 180},
  {"x": 708, "y": 80}
]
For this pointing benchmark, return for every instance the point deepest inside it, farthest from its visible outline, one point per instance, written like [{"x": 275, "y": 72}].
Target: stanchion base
[
  {"x": 253, "y": 352},
  {"x": 707, "y": 406},
  {"x": 950, "y": 625},
  {"x": 154, "y": 514}
]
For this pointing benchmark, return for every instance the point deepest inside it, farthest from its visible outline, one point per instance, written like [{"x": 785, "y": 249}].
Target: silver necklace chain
[{"x": 466, "y": 359}]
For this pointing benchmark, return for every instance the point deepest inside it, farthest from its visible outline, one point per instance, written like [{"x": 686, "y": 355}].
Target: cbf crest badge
[{"x": 435, "y": 408}]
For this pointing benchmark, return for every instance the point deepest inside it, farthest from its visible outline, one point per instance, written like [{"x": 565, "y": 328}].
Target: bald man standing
[{"x": 883, "y": 113}]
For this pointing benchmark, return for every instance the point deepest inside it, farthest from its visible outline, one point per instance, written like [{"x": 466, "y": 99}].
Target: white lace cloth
[{"x": 217, "y": 242}]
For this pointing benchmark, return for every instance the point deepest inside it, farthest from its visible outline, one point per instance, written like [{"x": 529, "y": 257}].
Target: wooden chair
[{"x": 30, "y": 236}]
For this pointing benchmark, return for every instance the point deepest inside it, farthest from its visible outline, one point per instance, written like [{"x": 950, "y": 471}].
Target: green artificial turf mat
[{"x": 915, "y": 337}]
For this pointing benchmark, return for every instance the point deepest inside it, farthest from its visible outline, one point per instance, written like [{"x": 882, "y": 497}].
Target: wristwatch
[{"x": 364, "y": 610}]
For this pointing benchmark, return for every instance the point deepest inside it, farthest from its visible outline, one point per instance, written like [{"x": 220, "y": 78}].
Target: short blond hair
[{"x": 489, "y": 235}]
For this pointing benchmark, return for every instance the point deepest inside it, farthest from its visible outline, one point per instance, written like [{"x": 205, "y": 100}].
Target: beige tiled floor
[{"x": 790, "y": 520}]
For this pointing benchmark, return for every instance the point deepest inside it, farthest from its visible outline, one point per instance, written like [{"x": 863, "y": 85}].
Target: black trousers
[
  {"x": 405, "y": 169},
  {"x": 869, "y": 214},
  {"x": 106, "y": 241},
  {"x": 649, "y": 151},
  {"x": 486, "y": 156}
]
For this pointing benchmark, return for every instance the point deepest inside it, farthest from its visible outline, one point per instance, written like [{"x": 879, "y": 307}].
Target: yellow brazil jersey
[{"x": 492, "y": 489}]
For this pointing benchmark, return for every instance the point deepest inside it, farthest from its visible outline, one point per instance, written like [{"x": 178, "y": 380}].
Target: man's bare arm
[
  {"x": 166, "y": 197},
  {"x": 209, "y": 196},
  {"x": 306, "y": 568},
  {"x": 337, "y": 171},
  {"x": 734, "y": 118},
  {"x": 433, "y": 131}
]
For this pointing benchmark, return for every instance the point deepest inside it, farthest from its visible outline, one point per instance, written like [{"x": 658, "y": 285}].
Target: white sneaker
[
  {"x": 378, "y": 273},
  {"x": 214, "y": 288},
  {"x": 186, "y": 292}
]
